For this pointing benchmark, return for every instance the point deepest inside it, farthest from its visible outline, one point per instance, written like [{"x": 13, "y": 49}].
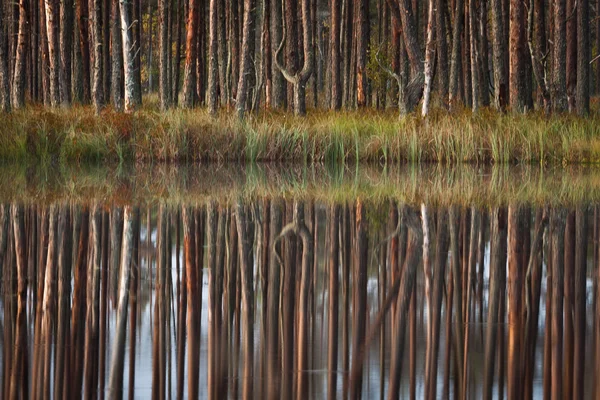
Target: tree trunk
[
  {"x": 499, "y": 54},
  {"x": 66, "y": 50},
  {"x": 5, "y": 105},
  {"x": 336, "y": 83},
  {"x": 279, "y": 87},
  {"x": 300, "y": 78},
  {"x": 213, "y": 72},
  {"x": 247, "y": 53},
  {"x": 96, "y": 24},
  {"x": 517, "y": 70},
  {"x": 84, "y": 43},
  {"x": 455, "y": 60},
  {"x": 189, "y": 78},
  {"x": 363, "y": 33},
  {"x": 583, "y": 55},
  {"x": 52, "y": 16},
  {"x": 559, "y": 54},
  {"x": 442, "y": 50},
  {"x": 474, "y": 57},
  {"x": 572, "y": 11},
  {"x": 429, "y": 55},
  {"x": 18, "y": 84},
  {"x": 130, "y": 99},
  {"x": 117, "y": 57},
  {"x": 163, "y": 8}
]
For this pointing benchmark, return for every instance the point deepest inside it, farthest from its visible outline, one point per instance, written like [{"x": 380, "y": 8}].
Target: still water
[{"x": 299, "y": 282}]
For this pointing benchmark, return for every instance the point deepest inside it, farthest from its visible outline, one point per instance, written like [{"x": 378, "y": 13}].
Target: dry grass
[{"x": 178, "y": 135}]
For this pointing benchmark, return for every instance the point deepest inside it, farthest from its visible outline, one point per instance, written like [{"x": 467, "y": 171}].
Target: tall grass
[{"x": 178, "y": 135}]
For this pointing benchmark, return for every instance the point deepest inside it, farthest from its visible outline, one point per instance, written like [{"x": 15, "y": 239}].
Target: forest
[{"x": 251, "y": 55}]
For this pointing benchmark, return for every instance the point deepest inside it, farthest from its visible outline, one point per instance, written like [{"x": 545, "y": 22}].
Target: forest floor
[{"x": 78, "y": 135}]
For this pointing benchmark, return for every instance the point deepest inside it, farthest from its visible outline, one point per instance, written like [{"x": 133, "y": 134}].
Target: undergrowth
[{"x": 77, "y": 135}]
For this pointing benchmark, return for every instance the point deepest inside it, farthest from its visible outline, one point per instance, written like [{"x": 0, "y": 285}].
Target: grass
[
  {"x": 436, "y": 185},
  {"x": 77, "y": 135}
]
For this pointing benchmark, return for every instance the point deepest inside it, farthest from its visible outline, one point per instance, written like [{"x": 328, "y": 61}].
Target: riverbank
[
  {"x": 77, "y": 135},
  {"x": 436, "y": 185}
]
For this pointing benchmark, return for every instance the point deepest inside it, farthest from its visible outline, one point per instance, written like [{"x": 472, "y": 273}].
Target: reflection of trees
[{"x": 301, "y": 299}]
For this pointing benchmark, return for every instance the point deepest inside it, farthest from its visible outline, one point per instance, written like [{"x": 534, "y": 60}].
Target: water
[{"x": 299, "y": 282}]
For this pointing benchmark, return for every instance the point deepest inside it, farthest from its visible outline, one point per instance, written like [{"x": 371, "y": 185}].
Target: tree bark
[
  {"x": 455, "y": 60},
  {"x": 52, "y": 16},
  {"x": 165, "y": 92},
  {"x": 130, "y": 99},
  {"x": 213, "y": 44},
  {"x": 189, "y": 77},
  {"x": 583, "y": 55},
  {"x": 429, "y": 57},
  {"x": 499, "y": 54},
  {"x": 571, "y": 38},
  {"x": 5, "y": 105},
  {"x": 18, "y": 84},
  {"x": 117, "y": 57},
  {"x": 363, "y": 37},
  {"x": 559, "y": 54},
  {"x": 96, "y": 25},
  {"x": 517, "y": 70},
  {"x": 66, "y": 50},
  {"x": 247, "y": 52},
  {"x": 84, "y": 43},
  {"x": 336, "y": 83}
]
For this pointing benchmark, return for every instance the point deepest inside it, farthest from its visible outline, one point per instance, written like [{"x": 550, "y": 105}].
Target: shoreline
[{"x": 187, "y": 136}]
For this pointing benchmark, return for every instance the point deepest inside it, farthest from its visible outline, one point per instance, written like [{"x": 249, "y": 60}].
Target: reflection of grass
[
  {"x": 435, "y": 184},
  {"x": 178, "y": 135}
]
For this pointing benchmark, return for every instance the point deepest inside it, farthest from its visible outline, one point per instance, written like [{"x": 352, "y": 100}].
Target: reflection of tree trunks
[
  {"x": 65, "y": 258},
  {"x": 91, "y": 319},
  {"x": 568, "y": 296},
  {"x": 413, "y": 257},
  {"x": 115, "y": 379},
  {"x": 303, "y": 300},
  {"x": 181, "y": 317},
  {"x": 332, "y": 338},
  {"x": 193, "y": 300},
  {"x": 211, "y": 243},
  {"x": 133, "y": 299},
  {"x": 497, "y": 279},
  {"x": 232, "y": 270},
  {"x": 558, "y": 262},
  {"x": 580, "y": 302},
  {"x": 516, "y": 238},
  {"x": 288, "y": 311},
  {"x": 439, "y": 274},
  {"x": 103, "y": 306},
  {"x": 246, "y": 272},
  {"x": 360, "y": 294},
  {"x": 346, "y": 265},
  {"x": 273, "y": 367},
  {"x": 116, "y": 233},
  {"x": 18, "y": 381},
  {"x": 547, "y": 378},
  {"x": 533, "y": 285},
  {"x": 80, "y": 218},
  {"x": 160, "y": 312}
]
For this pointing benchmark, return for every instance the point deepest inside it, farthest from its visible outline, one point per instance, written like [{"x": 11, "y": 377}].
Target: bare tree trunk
[
  {"x": 128, "y": 57},
  {"x": 363, "y": 33},
  {"x": 165, "y": 92},
  {"x": 336, "y": 83},
  {"x": 117, "y": 57},
  {"x": 442, "y": 50},
  {"x": 499, "y": 54},
  {"x": 213, "y": 72},
  {"x": 455, "y": 60},
  {"x": 247, "y": 52},
  {"x": 583, "y": 56},
  {"x": 559, "y": 55},
  {"x": 52, "y": 16},
  {"x": 571, "y": 43},
  {"x": 5, "y": 105},
  {"x": 84, "y": 43},
  {"x": 189, "y": 78},
  {"x": 18, "y": 83},
  {"x": 429, "y": 55},
  {"x": 300, "y": 78},
  {"x": 517, "y": 70},
  {"x": 96, "y": 25},
  {"x": 66, "y": 50}
]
